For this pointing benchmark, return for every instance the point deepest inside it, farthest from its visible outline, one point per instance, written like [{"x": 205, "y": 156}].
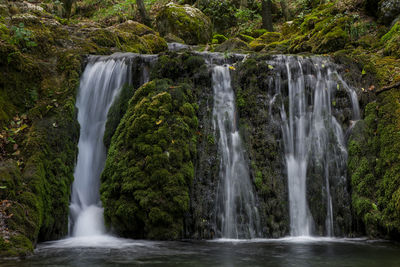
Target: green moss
[
  {"x": 218, "y": 39},
  {"x": 233, "y": 44},
  {"x": 246, "y": 38},
  {"x": 374, "y": 166},
  {"x": 155, "y": 43},
  {"x": 149, "y": 166},
  {"x": 180, "y": 68},
  {"x": 18, "y": 245},
  {"x": 393, "y": 31},
  {"x": 386, "y": 69},
  {"x": 186, "y": 22},
  {"x": 391, "y": 41},
  {"x": 265, "y": 39},
  {"x": 280, "y": 47},
  {"x": 335, "y": 40},
  {"x": 104, "y": 37},
  {"x": 255, "y": 33},
  {"x": 134, "y": 27}
]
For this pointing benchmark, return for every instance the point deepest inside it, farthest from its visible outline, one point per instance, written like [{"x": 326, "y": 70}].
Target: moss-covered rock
[
  {"x": 186, "y": 22},
  {"x": 173, "y": 39},
  {"x": 150, "y": 164},
  {"x": 391, "y": 41},
  {"x": 145, "y": 183},
  {"x": 233, "y": 44},
  {"x": 218, "y": 39},
  {"x": 135, "y": 37},
  {"x": 333, "y": 41},
  {"x": 134, "y": 27},
  {"x": 246, "y": 38},
  {"x": 374, "y": 167},
  {"x": 265, "y": 39}
]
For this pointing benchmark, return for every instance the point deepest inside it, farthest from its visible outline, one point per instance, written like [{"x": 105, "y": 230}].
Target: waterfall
[
  {"x": 100, "y": 83},
  {"x": 237, "y": 215},
  {"x": 313, "y": 139}
]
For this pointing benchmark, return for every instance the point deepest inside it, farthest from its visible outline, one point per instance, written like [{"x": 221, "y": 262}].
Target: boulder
[
  {"x": 186, "y": 22},
  {"x": 233, "y": 44},
  {"x": 389, "y": 10},
  {"x": 265, "y": 39}
]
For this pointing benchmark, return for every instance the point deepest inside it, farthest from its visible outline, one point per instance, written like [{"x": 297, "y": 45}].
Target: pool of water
[{"x": 111, "y": 251}]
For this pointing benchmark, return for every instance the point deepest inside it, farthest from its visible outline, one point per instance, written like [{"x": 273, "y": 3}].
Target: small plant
[{"x": 22, "y": 37}]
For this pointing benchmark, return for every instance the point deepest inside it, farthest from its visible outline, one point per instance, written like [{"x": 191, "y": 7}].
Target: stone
[
  {"x": 186, "y": 22},
  {"x": 389, "y": 10}
]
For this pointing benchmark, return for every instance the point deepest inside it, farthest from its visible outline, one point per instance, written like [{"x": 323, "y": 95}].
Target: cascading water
[
  {"x": 312, "y": 137},
  {"x": 100, "y": 84},
  {"x": 236, "y": 204}
]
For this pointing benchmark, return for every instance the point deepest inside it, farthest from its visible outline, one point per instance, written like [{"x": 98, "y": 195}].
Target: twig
[{"x": 386, "y": 88}]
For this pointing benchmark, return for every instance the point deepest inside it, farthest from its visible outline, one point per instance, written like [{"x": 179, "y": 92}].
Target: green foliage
[
  {"x": 21, "y": 37},
  {"x": 222, "y": 13}
]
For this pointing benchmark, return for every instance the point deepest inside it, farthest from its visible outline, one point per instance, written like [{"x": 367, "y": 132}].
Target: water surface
[{"x": 110, "y": 251}]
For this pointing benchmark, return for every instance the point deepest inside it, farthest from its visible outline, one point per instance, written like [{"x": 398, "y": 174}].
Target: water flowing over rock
[
  {"x": 100, "y": 84},
  {"x": 314, "y": 146},
  {"x": 237, "y": 214}
]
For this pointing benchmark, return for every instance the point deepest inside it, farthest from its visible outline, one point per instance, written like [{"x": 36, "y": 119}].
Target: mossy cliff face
[
  {"x": 43, "y": 147},
  {"x": 186, "y": 22},
  {"x": 41, "y": 62},
  {"x": 374, "y": 167},
  {"x": 145, "y": 184}
]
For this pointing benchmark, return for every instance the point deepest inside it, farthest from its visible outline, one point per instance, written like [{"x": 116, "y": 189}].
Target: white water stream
[
  {"x": 236, "y": 203},
  {"x": 100, "y": 84}
]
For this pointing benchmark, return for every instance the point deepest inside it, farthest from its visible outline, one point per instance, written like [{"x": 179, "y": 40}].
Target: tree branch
[{"x": 387, "y": 88}]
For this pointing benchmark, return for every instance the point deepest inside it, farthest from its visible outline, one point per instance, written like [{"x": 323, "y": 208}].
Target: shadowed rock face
[
  {"x": 389, "y": 10},
  {"x": 263, "y": 89}
]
